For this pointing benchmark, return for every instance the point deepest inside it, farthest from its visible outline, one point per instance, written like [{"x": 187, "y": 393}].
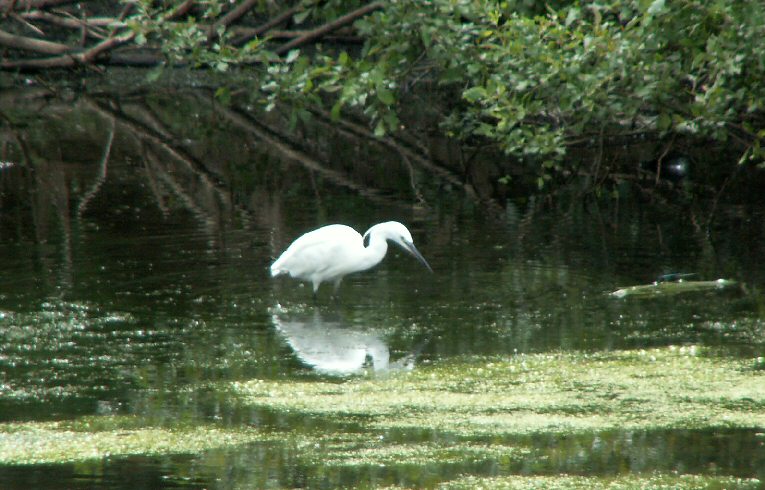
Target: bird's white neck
[{"x": 375, "y": 251}]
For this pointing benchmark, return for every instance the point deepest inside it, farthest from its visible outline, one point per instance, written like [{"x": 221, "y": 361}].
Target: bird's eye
[{"x": 366, "y": 240}]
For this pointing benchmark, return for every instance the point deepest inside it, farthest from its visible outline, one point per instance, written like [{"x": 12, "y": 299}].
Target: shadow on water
[{"x": 137, "y": 231}]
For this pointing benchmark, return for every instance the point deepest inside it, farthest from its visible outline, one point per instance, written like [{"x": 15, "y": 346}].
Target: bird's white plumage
[{"x": 334, "y": 251}]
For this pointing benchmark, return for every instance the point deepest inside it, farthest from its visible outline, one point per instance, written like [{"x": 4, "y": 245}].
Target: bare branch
[
  {"x": 72, "y": 58},
  {"x": 69, "y": 56},
  {"x": 27, "y": 24},
  {"x": 279, "y": 19},
  {"x": 10, "y": 5},
  {"x": 31, "y": 44},
  {"x": 329, "y": 27},
  {"x": 232, "y": 16},
  {"x": 180, "y": 10},
  {"x": 69, "y": 21}
]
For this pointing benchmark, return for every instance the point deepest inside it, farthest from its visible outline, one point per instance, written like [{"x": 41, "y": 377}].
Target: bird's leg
[{"x": 335, "y": 294}]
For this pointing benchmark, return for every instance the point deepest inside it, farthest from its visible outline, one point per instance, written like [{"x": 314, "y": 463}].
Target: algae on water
[
  {"x": 99, "y": 437},
  {"x": 675, "y": 387},
  {"x": 654, "y": 482},
  {"x": 454, "y": 415}
]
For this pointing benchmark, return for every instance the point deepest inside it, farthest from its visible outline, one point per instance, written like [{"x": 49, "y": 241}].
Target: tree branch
[
  {"x": 329, "y": 27},
  {"x": 10, "y": 5},
  {"x": 26, "y": 23},
  {"x": 232, "y": 16},
  {"x": 72, "y": 22},
  {"x": 31, "y": 44},
  {"x": 180, "y": 10},
  {"x": 279, "y": 19},
  {"x": 70, "y": 59},
  {"x": 70, "y": 56}
]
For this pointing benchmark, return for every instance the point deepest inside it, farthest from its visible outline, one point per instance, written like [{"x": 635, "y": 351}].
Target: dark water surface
[{"x": 128, "y": 277}]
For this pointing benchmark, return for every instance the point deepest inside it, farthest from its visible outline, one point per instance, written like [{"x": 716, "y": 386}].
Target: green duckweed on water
[
  {"x": 98, "y": 437},
  {"x": 663, "y": 388},
  {"x": 381, "y": 453},
  {"x": 452, "y": 421},
  {"x": 657, "y": 482}
]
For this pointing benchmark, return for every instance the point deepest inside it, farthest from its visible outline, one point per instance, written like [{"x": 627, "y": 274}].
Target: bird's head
[{"x": 398, "y": 234}]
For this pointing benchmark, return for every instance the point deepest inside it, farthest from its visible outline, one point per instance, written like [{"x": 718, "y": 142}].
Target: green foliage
[
  {"x": 187, "y": 41},
  {"x": 529, "y": 78},
  {"x": 533, "y": 84}
]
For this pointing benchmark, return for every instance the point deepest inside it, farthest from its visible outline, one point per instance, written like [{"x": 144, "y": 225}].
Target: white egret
[{"x": 334, "y": 251}]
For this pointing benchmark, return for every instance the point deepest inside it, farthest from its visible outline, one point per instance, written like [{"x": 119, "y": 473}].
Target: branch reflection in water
[{"x": 335, "y": 348}]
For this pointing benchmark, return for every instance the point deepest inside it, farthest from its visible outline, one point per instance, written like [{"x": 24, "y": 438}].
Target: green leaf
[
  {"x": 304, "y": 115},
  {"x": 377, "y": 76},
  {"x": 223, "y": 94},
  {"x": 664, "y": 122},
  {"x": 299, "y": 17},
  {"x": 574, "y": 15},
  {"x": 156, "y": 72},
  {"x": 473, "y": 94},
  {"x": 426, "y": 40},
  {"x": 657, "y": 7},
  {"x": 385, "y": 95},
  {"x": 451, "y": 75},
  {"x": 336, "y": 109},
  {"x": 292, "y": 55},
  {"x": 391, "y": 119}
]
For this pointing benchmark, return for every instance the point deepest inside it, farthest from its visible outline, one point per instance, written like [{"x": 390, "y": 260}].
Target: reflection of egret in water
[{"x": 331, "y": 347}]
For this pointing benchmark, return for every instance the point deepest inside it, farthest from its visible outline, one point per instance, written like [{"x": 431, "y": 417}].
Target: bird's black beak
[{"x": 409, "y": 247}]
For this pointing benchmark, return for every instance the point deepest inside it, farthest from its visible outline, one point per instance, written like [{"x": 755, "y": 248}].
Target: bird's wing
[{"x": 314, "y": 251}]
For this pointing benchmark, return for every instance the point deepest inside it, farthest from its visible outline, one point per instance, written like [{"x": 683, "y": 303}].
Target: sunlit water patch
[{"x": 72, "y": 352}]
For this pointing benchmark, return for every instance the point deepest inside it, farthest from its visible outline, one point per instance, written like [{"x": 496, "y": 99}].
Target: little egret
[{"x": 334, "y": 251}]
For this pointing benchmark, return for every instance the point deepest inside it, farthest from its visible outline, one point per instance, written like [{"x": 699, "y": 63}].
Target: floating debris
[{"x": 671, "y": 288}]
